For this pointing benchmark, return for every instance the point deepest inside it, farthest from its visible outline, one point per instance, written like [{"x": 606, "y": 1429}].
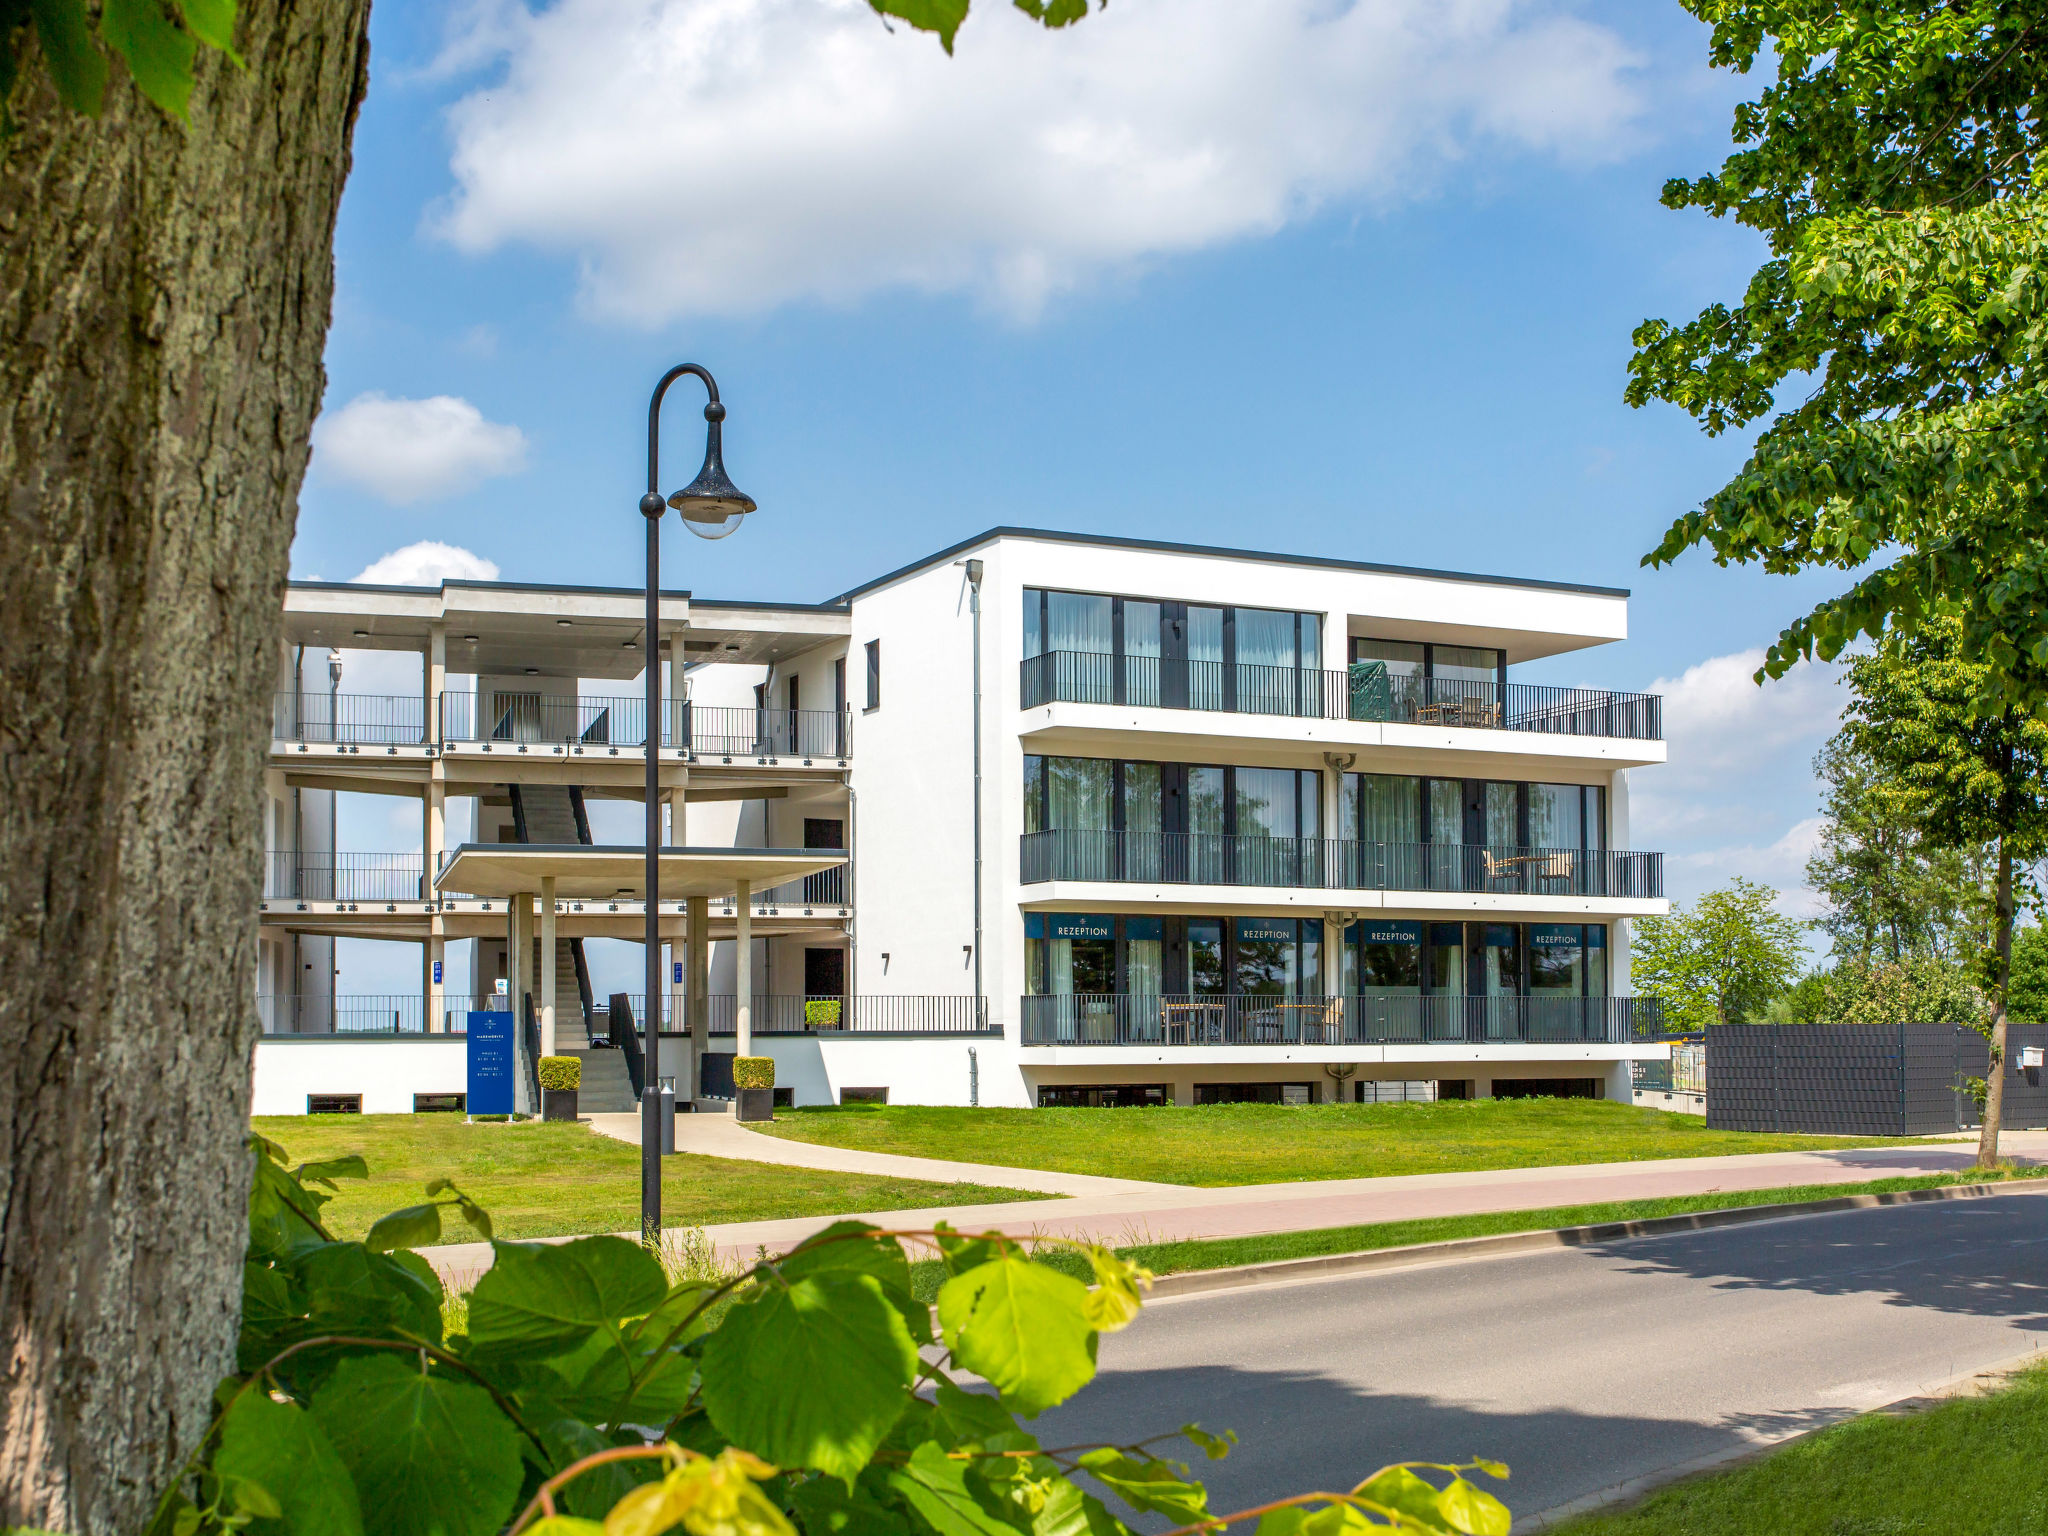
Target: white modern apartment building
[{"x": 1042, "y": 819}]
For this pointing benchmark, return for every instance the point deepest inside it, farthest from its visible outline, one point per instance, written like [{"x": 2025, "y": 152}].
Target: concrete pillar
[
  {"x": 743, "y": 983},
  {"x": 433, "y": 953},
  {"x": 519, "y": 964},
  {"x": 435, "y": 677},
  {"x": 697, "y": 974},
  {"x": 547, "y": 965}
]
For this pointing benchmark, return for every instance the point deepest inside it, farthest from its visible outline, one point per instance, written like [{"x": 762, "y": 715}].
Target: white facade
[{"x": 894, "y": 781}]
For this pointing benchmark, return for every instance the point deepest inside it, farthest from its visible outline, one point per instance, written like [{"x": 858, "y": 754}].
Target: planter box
[
  {"x": 558, "y": 1103},
  {"x": 755, "y": 1104}
]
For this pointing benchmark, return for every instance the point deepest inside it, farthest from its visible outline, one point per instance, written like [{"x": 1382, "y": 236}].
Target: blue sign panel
[
  {"x": 490, "y": 1064},
  {"x": 1556, "y": 935},
  {"x": 437, "y": 973},
  {"x": 1139, "y": 929},
  {"x": 1596, "y": 936},
  {"x": 1075, "y": 925},
  {"x": 1389, "y": 933},
  {"x": 679, "y": 973},
  {"x": 1265, "y": 930}
]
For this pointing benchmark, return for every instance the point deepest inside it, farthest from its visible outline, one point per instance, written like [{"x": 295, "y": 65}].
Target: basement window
[{"x": 334, "y": 1103}]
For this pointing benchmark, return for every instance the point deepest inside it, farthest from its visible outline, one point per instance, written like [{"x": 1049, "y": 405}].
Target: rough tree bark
[{"x": 164, "y": 300}]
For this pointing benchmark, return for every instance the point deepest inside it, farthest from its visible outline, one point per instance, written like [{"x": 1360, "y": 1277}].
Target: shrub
[
  {"x": 821, "y": 1013},
  {"x": 561, "y": 1072},
  {"x": 753, "y": 1071},
  {"x": 791, "y": 1392}
]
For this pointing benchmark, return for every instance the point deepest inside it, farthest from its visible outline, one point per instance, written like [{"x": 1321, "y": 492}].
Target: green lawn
[
  {"x": 1226, "y": 1252},
  {"x": 1967, "y": 1468},
  {"x": 1258, "y": 1144},
  {"x": 541, "y": 1180}
]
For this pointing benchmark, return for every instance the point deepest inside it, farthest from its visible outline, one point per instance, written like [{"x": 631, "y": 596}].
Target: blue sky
[{"x": 1351, "y": 280}]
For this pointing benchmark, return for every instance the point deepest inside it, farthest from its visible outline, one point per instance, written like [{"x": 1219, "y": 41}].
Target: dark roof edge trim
[{"x": 1264, "y": 557}]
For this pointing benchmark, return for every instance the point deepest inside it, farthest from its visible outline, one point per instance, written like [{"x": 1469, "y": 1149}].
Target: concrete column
[
  {"x": 547, "y": 965},
  {"x": 433, "y": 953},
  {"x": 697, "y": 974},
  {"x": 743, "y": 966},
  {"x": 435, "y": 677},
  {"x": 519, "y": 964}
]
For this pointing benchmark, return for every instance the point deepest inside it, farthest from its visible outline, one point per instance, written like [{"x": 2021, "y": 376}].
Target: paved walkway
[
  {"x": 723, "y": 1136},
  {"x": 1164, "y": 1213}
]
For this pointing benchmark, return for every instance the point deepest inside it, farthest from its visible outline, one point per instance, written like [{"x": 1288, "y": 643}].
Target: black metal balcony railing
[
  {"x": 1362, "y": 693},
  {"x": 862, "y": 1013},
  {"x": 1195, "y": 858},
  {"x": 344, "y": 877},
  {"x": 708, "y": 730},
  {"x": 1368, "y": 1019},
  {"x": 354, "y": 719},
  {"x": 827, "y": 888},
  {"x": 362, "y": 1014}
]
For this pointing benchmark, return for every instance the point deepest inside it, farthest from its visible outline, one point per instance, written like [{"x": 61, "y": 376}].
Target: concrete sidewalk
[
  {"x": 723, "y": 1136},
  {"x": 1165, "y": 1213}
]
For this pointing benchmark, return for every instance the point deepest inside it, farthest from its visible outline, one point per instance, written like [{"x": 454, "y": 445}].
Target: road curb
[
  {"x": 1621, "y": 1496},
  {"x": 1282, "y": 1271}
]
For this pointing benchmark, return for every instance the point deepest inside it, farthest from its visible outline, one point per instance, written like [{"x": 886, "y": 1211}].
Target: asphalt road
[{"x": 1580, "y": 1368}]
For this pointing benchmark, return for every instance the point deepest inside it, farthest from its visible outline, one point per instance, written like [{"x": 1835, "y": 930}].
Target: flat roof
[
  {"x": 583, "y": 872},
  {"x": 1263, "y": 557}
]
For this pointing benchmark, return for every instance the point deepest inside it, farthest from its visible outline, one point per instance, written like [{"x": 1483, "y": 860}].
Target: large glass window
[
  {"x": 1078, "y": 621},
  {"x": 1503, "y": 804},
  {"x": 1402, "y": 658},
  {"x": 1447, "y": 957},
  {"x": 1034, "y": 792},
  {"x": 1070, "y": 952},
  {"x": 1207, "y": 973},
  {"x": 1381, "y": 808},
  {"x": 1144, "y": 956},
  {"x": 1464, "y": 663},
  {"x": 1144, "y": 820},
  {"x": 1557, "y": 816},
  {"x": 1557, "y": 959},
  {"x": 1141, "y": 652},
  {"x": 1389, "y": 957},
  {"x": 1279, "y": 957}
]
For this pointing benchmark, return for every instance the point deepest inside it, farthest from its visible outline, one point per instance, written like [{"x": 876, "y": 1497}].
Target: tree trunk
[
  {"x": 164, "y": 300},
  {"x": 1994, "y": 1075}
]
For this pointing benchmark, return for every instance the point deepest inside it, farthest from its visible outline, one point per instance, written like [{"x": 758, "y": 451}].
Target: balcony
[
  {"x": 1305, "y": 863},
  {"x": 936, "y": 1014},
  {"x": 355, "y": 1016},
  {"x": 357, "y": 719},
  {"x": 344, "y": 877},
  {"x": 706, "y": 730},
  {"x": 1365, "y": 692},
  {"x": 1368, "y": 1019}
]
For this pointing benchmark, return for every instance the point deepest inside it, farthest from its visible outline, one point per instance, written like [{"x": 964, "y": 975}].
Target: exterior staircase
[{"x": 553, "y": 814}]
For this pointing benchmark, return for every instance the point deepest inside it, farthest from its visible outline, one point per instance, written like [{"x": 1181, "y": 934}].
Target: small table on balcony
[{"x": 1192, "y": 1023}]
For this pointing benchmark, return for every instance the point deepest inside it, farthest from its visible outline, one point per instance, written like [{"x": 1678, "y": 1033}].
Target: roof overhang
[{"x": 585, "y": 873}]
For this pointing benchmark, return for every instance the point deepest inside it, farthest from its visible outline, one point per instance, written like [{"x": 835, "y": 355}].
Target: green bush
[
  {"x": 821, "y": 1013},
  {"x": 808, "y": 1392},
  {"x": 561, "y": 1072},
  {"x": 753, "y": 1071}
]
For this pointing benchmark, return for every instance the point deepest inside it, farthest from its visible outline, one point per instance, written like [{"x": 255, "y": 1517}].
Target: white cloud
[
  {"x": 1738, "y": 796},
  {"x": 726, "y": 156},
  {"x": 427, "y": 564},
  {"x": 405, "y": 451}
]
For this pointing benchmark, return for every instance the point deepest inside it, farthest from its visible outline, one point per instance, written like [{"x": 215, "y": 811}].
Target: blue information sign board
[{"x": 490, "y": 1064}]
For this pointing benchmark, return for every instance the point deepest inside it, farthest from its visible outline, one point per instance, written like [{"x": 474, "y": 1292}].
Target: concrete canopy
[{"x": 585, "y": 873}]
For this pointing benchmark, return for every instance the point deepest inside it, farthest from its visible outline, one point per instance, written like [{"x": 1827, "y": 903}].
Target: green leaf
[
  {"x": 545, "y": 1298},
  {"x": 414, "y": 1226},
  {"x": 940, "y": 16},
  {"x": 1021, "y": 1327},
  {"x": 593, "y": 1492},
  {"x": 282, "y": 1216},
  {"x": 429, "y": 1455},
  {"x": 1149, "y": 1484},
  {"x": 348, "y": 1289},
  {"x": 811, "y": 1374},
  {"x": 213, "y": 23},
  {"x": 935, "y": 1486},
  {"x": 565, "y": 1525},
  {"x": 1473, "y": 1510},
  {"x": 77, "y": 67},
  {"x": 825, "y": 1507},
  {"x": 329, "y": 1169},
  {"x": 280, "y": 1449},
  {"x": 1399, "y": 1489},
  {"x": 881, "y": 1257},
  {"x": 972, "y": 1417},
  {"x": 1215, "y": 1447},
  {"x": 157, "y": 51}
]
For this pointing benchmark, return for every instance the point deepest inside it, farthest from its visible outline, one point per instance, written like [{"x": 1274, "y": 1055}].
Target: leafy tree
[
  {"x": 1966, "y": 778},
  {"x": 167, "y": 207},
  {"x": 1894, "y": 166},
  {"x": 1722, "y": 962},
  {"x": 1891, "y": 896},
  {"x": 2026, "y": 995},
  {"x": 1917, "y": 990}
]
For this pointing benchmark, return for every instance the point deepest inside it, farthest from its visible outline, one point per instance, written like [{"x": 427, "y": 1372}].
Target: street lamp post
[{"x": 712, "y": 507}]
